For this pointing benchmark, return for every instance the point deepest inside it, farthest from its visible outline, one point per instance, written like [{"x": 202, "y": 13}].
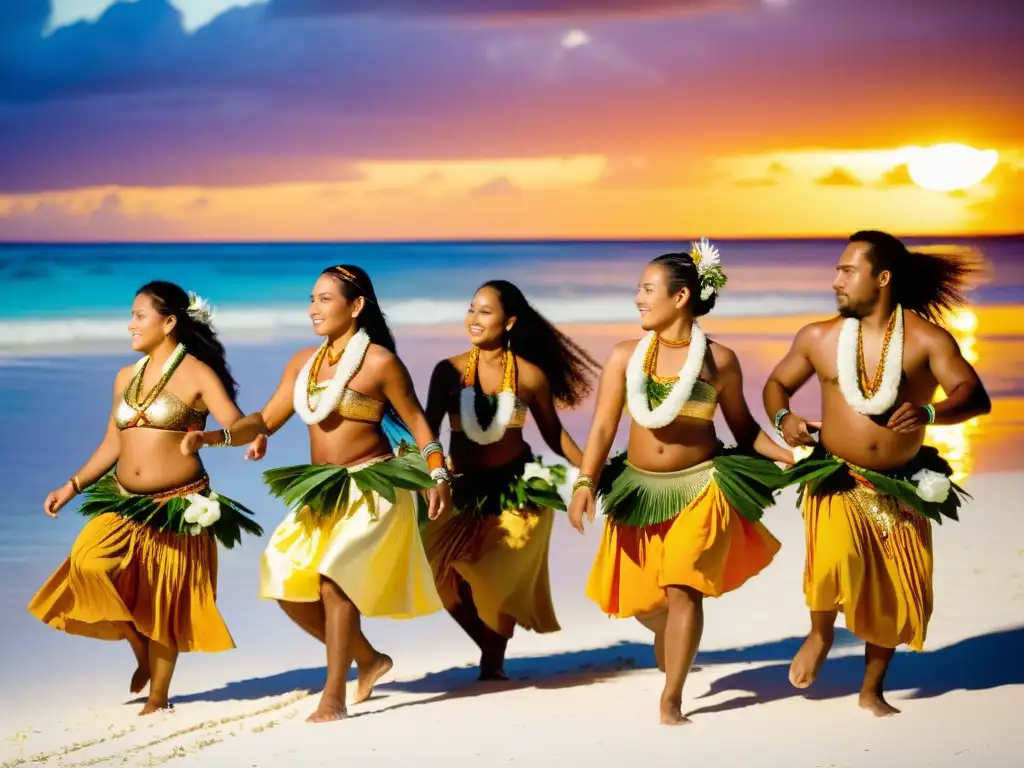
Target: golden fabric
[
  {"x": 166, "y": 411},
  {"x": 518, "y": 420},
  {"x": 702, "y": 403},
  {"x": 371, "y": 550},
  {"x": 355, "y": 406},
  {"x": 122, "y": 571},
  {"x": 870, "y": 558},
  {"x": 708, "y": 546},
  {"x": 503, "y": 559}
]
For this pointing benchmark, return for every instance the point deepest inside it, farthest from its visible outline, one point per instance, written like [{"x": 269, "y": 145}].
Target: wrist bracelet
[
  {"x": 440, "y": 475},
  {"x": 930, "y": 410},
  {"x": 75, "y": 485},
  {"x": 582, "y": 482},
  {"x": 431, "y": 447},
  {"x": 779, "y": 417}
]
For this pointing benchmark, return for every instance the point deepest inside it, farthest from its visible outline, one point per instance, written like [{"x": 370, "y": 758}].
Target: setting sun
[{"x": 949, "y": 167}]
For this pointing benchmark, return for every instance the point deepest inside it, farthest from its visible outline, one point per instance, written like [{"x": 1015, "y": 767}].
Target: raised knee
[
  {"x": 331, "y": 593},
  {"x": 684, "y": 597}
]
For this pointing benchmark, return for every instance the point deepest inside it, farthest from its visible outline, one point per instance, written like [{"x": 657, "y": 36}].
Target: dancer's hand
[
  {"x": 191, "y": 443},
  {"x": 58, "y": 498},
  {"x": 439, "y": 500},
  {"x": 908, "y": 418},
  {"x": 583, "y": 504},
  {"x": 257, "y": 449},
  {"x": 797, "y": 431}
]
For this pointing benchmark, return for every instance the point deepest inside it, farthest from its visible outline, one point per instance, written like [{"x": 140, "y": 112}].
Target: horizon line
[{"x": 568, "y": 240}]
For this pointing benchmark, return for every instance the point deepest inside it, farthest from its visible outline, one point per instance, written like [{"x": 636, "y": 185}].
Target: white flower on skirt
[
  {"x": 801, "y": 452},
  {"x": 202, "y": 512},
  {"x": 931, "y": 486},
  {"x": 536, "y": 469}
]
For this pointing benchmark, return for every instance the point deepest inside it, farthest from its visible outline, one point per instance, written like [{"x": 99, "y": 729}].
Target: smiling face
[
  {"x": 658, "y": 306},
  {"x": 486, "y": 321},
  {"x": 857, "y": 287},
  {"x": 147, "y": 326},
  {"x": 332, "y": 314}
]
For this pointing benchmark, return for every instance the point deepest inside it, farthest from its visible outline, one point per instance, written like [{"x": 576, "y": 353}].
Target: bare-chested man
[{"x": 869, "y": 553}]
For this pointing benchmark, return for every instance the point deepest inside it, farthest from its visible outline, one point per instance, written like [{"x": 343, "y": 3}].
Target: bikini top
[
  {"x": 354, "y": 406},
  {"x": 702, "y": 403},
  {"x": 518, "y": 420},
  {"x": 160, "y": 410}
]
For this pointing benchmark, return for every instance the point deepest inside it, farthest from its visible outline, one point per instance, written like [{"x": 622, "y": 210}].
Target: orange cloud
[
  {"x": 898, "y": 176},
  {"x": 838, "y": 177}
]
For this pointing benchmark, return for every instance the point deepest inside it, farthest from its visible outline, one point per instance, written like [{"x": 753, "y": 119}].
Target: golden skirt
[
  {"x": 708, "y": 546},
  {"x": 504, "y": 561},
  {"x": 870, "y": 558},
  {"x": 371, "y": 550},
  {"x": 121, "y": 571}
]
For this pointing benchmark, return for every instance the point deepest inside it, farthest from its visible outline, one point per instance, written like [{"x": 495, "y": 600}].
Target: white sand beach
[{"x": 587, "y": 695}]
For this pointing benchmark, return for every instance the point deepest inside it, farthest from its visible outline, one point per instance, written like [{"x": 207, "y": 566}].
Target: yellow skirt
[
  {"x": 162, "y": 583},
  {"x": 708, "y": 546},
  {"x": 871, "y": 559},
  {"x": 371, "y": 550},
  {"x": 503, "y": 559}
]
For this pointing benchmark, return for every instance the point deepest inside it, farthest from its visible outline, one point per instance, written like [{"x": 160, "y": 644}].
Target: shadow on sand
[
  {"x": 975, "y": 664},
  {"x": 979, "y": 663}
]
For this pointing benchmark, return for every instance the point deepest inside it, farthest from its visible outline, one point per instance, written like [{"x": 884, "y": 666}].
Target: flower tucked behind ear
[
  {"x": 199, "y": 309},
  {"x": 709, "y": 268}
]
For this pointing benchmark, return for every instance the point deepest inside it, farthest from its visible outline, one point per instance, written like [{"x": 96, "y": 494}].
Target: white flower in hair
[
  {"x": 199, "y": 309},
  {"x": 709, "y": 267}
]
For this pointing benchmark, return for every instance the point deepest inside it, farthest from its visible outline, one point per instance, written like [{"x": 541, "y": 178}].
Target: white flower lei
[
  {"x": 324, "y": 403},
  {"x": 636, "y": 381},
  {"x": 892, "y": 371},
  {"x": 502, "y": 415}
]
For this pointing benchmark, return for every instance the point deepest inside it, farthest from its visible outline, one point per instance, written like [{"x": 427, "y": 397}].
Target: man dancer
[{"x": 869, "y": 551}]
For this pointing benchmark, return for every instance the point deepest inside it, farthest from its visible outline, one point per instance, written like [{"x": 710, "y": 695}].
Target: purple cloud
[
  {"x": 506, "y": 9},
  {"x": 254, "y": 97}
]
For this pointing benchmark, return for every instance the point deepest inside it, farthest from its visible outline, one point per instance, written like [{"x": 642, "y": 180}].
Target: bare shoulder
[
  {"x": 530, "y": 374},
  {"x": 621, "y": 353},
  {"x": 193, "y": 367},
  {"x": 123, "y": 376},
  {"x": 724, "y": 358},
  {"x": 299, "y": 358},
  {"x": 928, "y": 334},
  {"x": 819, "y": 331}
]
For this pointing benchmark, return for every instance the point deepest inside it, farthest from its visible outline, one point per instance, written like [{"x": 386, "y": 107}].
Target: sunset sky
[{"x": 404, "y": 119}]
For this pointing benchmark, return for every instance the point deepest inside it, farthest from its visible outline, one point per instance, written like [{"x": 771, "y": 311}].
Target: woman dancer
[
  {"x": 490, "y": 555},
  {"x": 681, "y": 513},
  {"x": 144, "y": 568},
  {"x": 350, "y": 545}
]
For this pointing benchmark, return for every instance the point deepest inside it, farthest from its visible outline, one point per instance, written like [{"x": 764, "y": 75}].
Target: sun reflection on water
[{"x": 954, "y": 440}]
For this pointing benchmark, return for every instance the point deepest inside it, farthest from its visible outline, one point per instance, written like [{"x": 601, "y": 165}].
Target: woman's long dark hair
[
  {"x": 926, "y": 283},
  {"x": 200, "y": 340},
  {"x": 354, "y": 282},
  {"x": 682, "y": 273},
  {"x": 567, "y": 365}
]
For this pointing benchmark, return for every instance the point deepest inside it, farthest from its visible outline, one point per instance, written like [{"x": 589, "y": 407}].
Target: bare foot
[
  {"x": 808, "y": 660},
  {"x": 490, "y": 675},
  {"x": 380, "y": 667},
  {"x": 140, "y": 647},
  {"x": 154, "y": 706},
  {"x": 671, "y": 713},
  {"x": 876, "y": 705},
  {"x": 327, "y": 715},
  {"x": 492, "y": 659}
]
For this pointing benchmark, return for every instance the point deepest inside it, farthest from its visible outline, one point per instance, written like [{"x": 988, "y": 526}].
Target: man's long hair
[{"x": 929, "y": 284}]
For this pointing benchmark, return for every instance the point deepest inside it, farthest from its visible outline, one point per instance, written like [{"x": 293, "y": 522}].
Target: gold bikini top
[
  {"x": 702, "y": 403},
  {"x": 354, "y": 406},
  {"x": 518, "y": 420},
  {"x": 160, "y": 410}
]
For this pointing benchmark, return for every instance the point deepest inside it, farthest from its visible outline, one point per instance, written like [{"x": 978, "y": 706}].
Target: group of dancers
[{"x": 381, "y": 523}]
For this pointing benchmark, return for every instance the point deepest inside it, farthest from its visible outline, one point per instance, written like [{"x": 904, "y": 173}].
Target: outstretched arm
[
  {"x": 550, "y": 425},
  {"x": 965, "y": 394},
  {"x": 737, "y": 414}
]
